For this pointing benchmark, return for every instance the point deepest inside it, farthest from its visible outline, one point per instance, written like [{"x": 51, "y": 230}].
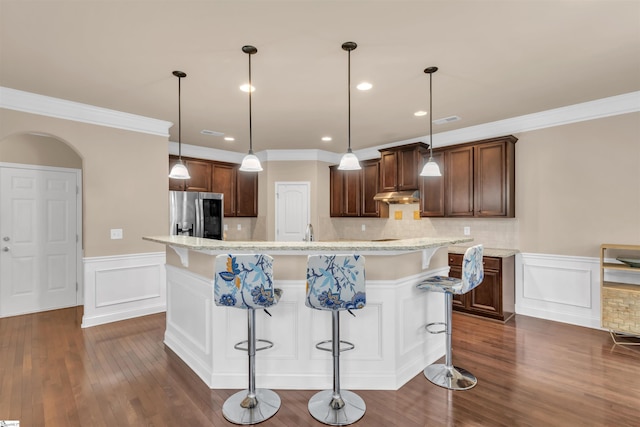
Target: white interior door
[
  {"x": 38, "y": 232},
  {"x": 292, "y": 210}
]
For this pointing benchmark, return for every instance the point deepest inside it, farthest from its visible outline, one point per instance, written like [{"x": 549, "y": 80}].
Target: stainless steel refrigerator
[{"x": 196, "y": 214}]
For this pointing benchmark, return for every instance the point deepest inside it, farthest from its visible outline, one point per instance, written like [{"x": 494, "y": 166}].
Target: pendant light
[
  {"x": 349, "y": 161},
  {"x": 431, "y": 167},
  {"x": 179, "y": 170},
  {"x": 250, "y": 162}
]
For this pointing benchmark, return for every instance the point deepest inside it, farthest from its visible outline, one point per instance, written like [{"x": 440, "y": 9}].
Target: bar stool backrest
[
  {"x": 472, "y": 268},
  {"x": 335, "y": 282},
  {"x": 244, "y": 281}
]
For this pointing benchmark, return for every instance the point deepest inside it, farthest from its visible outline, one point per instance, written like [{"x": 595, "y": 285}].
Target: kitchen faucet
[{"x": 308, "y": 234}]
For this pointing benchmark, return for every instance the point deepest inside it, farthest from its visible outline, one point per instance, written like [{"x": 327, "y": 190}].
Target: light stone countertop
[
  {"x": 490, "y": 252},
  {"x": 391, "y": 246}
]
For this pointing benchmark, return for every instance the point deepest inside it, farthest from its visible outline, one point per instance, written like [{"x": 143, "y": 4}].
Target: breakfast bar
[{"x": 391, "y": 346}]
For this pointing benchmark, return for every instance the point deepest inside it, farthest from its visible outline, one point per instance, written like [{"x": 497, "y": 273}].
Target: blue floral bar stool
[
  {"x": 336, "y": 283},
  {"x": 246, "y": 282},
  {"x": 447, "y": 375}
]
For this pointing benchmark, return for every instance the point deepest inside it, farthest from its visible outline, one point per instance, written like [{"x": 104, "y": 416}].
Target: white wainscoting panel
[
  {"x": 122, "y": 287},
  {"x": 560, "y": 288},
  {"x": 391, "y": 345}
]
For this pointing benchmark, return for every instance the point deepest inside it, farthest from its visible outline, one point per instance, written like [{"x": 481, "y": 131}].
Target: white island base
[{"x": 391, "y": 345}]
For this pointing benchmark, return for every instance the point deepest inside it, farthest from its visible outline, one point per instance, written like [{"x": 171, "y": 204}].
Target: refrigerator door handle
[{"x": 199, "y": 218}]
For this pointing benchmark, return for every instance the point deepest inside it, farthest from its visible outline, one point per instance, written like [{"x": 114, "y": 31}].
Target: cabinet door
[
  {"x": 370, "y": 184},
  {"x": 459, "y": 182},
  {"x": 336, "y": 193},
  {"x": 200, "y": 172},
  {"x": 408, "y": 174},
  {"x": 494, "y": 190},
  {"x": 246, "y": 194},
  {"x": 175, "y": 184},
  {"x": 389, "y": 170},
  {"x": 485, "y": 298},
  {"x": 224, "y": 181},
  {"x": 351, "y": 201},
  {"x": 432, "y": 189}
]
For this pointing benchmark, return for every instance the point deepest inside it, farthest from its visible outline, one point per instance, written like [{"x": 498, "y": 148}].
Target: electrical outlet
[
  {"x": 239, "y": 227},
  {"x": 467, "y": 231},
  {"x": 416, "y": 214},
  {"x": 226, "y": 227},
  {"x": 116, "y": 233},
  {"x": 397, "y": 215},
  {"x": 364, "y": 227}
]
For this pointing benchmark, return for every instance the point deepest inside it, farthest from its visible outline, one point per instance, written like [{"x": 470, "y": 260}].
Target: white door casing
[
  {"x": 292, "y": 210},
  {"x": 40, "y": 238}
]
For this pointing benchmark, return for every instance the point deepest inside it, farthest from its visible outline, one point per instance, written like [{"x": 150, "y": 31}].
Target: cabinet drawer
[
  {"x": 492, "y": 263},
  {"x": 455, "y": 260}
]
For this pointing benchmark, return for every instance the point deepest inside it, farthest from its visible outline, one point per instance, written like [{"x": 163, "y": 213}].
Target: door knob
[
  {"x": 5, "y": 249},
  {"x": 6, "y": 238}
]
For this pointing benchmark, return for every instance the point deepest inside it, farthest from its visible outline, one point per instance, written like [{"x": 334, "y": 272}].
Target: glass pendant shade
[
  {"x": 179, "y": 171},
  {"x": 430, "y": 168},
  {"x": 349, "y": 162},
  {"x": 250, "y": 163}
]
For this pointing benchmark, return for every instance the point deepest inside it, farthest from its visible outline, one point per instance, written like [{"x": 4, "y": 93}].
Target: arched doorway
[{"x": 40, "y": 224}]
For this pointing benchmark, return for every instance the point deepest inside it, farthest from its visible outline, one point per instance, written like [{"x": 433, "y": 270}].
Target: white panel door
[
  {"x": 38, "y": 215},
  {"x": 292, "y": 210}
]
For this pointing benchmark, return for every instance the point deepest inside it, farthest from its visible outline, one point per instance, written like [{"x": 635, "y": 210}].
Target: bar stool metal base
[
  {"x": 452, "y": 378},
  {"x": 320, "y": 408},
  {"x": 268, "y": 403}
]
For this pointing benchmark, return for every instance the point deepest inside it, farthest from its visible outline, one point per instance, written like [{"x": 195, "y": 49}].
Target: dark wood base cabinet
[{"x": 494, "y": 298}]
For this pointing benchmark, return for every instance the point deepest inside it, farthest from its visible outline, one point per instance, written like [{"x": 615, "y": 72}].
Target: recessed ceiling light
[
  {"x": 245, "y": 88},
  {"x": 420, "y": 113},
  {"x": 364, "y": 86},
  {"x": 229, "y": 138},
  {"x": 211, "y": 132},
  {"x": 326, "y": 138}
]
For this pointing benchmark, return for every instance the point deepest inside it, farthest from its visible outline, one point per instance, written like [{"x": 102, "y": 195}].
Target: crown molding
[
  {"x": 209, "y": 153},
  {"x": 296, "y": 155},
  {"x": 591, "y": 110},
  {"x": 33, "y": 103}
]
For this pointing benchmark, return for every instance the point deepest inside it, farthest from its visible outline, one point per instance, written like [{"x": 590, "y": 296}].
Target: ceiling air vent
[
  {"x": 211, "y": 132},
  {"x": 446, "y": 120}
]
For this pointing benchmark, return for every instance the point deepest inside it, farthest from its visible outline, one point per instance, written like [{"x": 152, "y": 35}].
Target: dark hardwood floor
[{"x": 531, "y": 372}]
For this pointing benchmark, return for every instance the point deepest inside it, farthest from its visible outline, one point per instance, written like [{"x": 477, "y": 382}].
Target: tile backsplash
[{"x": 492, "y": 232}]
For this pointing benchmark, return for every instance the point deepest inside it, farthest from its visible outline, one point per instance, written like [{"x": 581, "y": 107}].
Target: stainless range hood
[{"x": 398, "y": 197}]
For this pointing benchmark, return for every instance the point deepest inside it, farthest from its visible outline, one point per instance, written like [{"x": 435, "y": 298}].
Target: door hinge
[
  {"x": 76, "y": 286},
  {"x": 77, "y": 238},
  {"x": 77, "y": 189}
]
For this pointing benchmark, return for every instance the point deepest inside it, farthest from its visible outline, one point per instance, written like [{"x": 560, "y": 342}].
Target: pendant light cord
[
  {"x": 179, "y": 119},
  {"x": 250, "y": 127},
  {"x": 349, "y": 100},
  {"x": 430, "y": 116}
]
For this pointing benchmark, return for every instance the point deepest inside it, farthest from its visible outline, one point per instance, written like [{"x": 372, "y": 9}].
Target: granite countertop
[
  {"x": 400, "y": 245},
  {"x": 492, "y": 252}
]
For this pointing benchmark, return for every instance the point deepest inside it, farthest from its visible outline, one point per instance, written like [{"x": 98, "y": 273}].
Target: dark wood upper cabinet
[
  {"x": 224, "y": 181},
  {"x": 432, "y": 188},
  {"x": 399, "y": 167},
  {"x": 246, "y": 194},
  {"x": 240, "y": 189},
  {"x": 480, "y": 179},
  {"x": 351, "y": 192},
  {"x": 370, "y": 186},
  {"x": 200, "y": 172},
  {"x": 459, "y": 181}
]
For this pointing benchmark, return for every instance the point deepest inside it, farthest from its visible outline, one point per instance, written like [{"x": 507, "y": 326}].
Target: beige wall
[
  {"x": 41, "y": 150},
  {"x": 578, "y": 186},
  {"x": 124, "y": 178}
]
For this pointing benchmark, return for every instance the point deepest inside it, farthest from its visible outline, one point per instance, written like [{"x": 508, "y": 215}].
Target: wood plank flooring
[{"x": 531, "y": 372}]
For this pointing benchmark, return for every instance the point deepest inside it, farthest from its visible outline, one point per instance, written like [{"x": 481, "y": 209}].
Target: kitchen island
[{"x": 391, "y": 344}]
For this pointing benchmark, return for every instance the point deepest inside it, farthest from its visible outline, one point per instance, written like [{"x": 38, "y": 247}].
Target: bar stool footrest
[
  {"x": 321, "y": 345},
  {"x": 429, "y": 327},
  {"x": 241, "y": 345}
]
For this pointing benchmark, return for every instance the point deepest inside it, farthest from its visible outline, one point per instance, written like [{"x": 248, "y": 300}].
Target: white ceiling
[{"x": 497, "y": 59}]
